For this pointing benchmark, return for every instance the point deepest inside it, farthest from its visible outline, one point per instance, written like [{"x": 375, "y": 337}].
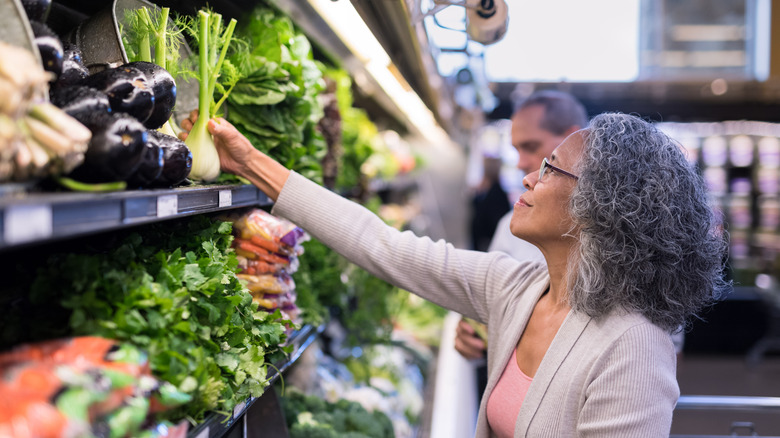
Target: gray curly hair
[{"x": 649, "y": 240}]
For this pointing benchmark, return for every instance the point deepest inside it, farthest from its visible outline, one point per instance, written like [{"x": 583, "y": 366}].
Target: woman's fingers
[
  {"x": 465, "y": 328},
  {"x": 470, "y": 348},
  {"x": 467, "y": 342}
]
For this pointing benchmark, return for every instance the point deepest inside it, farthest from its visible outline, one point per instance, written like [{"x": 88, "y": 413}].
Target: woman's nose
[{"x": 530, "y": 180}]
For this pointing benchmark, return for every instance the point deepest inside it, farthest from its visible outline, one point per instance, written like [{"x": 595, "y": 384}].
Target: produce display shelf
[
  {"x": 217, "y": 426},
  {"x": 28, "y": 218}
]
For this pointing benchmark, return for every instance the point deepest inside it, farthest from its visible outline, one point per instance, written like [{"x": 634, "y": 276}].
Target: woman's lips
[{"x": 521, "y": 203}]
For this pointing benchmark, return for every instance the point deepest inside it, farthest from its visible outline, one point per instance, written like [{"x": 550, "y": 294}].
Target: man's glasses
[{"x": 546, "y": 164}]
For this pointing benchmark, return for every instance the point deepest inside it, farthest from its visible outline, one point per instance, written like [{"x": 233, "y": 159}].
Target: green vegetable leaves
[
  {"x": 173, "y": 293},
  {"x": 275, "y": 104},
  {"x": 310, "y": 416}
]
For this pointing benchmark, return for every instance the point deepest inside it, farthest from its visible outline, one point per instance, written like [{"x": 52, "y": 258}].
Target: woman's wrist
[{"x": 265, "y": 173}]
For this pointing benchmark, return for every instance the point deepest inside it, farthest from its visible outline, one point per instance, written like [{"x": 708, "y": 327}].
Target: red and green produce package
[{"x": 80, "y": 386}]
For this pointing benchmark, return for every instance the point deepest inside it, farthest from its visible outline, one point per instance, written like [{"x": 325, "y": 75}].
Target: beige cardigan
[{"x": 612, "y": 377}]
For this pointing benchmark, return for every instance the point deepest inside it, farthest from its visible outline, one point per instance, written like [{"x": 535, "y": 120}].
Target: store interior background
[{"x": 707, "y": 70}]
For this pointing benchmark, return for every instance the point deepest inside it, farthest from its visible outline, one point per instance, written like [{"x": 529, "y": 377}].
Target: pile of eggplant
[{"x": 123, "y": 107}]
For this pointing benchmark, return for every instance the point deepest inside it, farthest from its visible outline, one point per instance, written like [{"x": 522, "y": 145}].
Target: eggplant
[
  {"x": 50, "y": 47},
  {"x": 73, "y": 69},
  {"x": 127, "y": 90},
  {"x": 164, "y": 89},
  {"x": 37, "y": 10},
  {"x": 80, "y": 101},
  {"x": 116, "y": 150},
  {"x": 151, "y": 165},
  {"x": 177, "y": 160}
]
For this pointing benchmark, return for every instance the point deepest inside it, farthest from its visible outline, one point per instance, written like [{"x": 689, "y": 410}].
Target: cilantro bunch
[{"x": 172, "y": 291}]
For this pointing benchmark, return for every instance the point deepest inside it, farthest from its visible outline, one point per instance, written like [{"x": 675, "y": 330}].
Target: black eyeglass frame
[{"x": 546, "y": 164}]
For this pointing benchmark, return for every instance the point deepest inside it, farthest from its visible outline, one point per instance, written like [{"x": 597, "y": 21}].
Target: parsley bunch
[{"x": 172, "y": 291}]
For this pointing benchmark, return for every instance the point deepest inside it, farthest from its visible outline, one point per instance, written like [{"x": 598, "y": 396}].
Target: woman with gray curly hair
[{"x": 579, "y": 345}]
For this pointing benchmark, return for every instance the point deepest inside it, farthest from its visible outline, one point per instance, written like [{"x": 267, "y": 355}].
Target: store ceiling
[{"x": 395, "y": 25}]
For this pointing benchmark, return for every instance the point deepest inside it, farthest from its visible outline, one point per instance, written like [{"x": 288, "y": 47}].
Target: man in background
[
  {"x": 489, "y": 204},
  {"x": 539, "y": 124}
]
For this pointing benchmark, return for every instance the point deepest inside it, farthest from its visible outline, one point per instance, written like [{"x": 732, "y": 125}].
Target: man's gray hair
[{"x": 561, "y": 110}]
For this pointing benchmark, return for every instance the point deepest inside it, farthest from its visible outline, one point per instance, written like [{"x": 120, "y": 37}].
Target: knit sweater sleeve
[
  {"x": 634, "y": 388},
  {"x": 453, "y": 278}
]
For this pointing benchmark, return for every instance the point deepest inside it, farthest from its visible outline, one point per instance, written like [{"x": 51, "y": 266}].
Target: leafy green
[
  {"x": 326, "y": 282},
  {"x": 318, "y": 283},
  {"x": 173, "y": 292},
  {"x": 275, "y": 103},
  {"x": 365, "y": 154},
  {"x": 310, "y": 416}
]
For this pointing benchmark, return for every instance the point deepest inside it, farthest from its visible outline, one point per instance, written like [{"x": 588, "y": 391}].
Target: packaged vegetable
[
  {"x": 276, "y": 235},
  {"x": 81, "y": 386},
  {"x": 269, "y": 284}
]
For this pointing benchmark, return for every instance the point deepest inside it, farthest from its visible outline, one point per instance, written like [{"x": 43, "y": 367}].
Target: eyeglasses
[{"x": 546, "y": 164}]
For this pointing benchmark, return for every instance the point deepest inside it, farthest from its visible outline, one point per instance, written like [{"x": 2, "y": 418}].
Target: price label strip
[
  {"x": 203, "y": 433},
  {"x": 239, "y": 409},
  {"x": 167, "y": 205},
  {"x": 225, "y": 198},
  {"x": 26, "y": 223}
]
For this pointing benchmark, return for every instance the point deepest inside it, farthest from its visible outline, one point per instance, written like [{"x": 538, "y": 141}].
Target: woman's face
[{"x": 541, "y": 214}]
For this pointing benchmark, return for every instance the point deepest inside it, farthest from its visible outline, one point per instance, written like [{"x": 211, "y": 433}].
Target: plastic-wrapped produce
[
  {"x": 80, "y": 386},
  {"x": 268, "y": 248}
]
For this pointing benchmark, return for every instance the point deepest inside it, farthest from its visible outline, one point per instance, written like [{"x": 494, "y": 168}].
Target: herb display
[
  {"x": 275, "y": 103},
  {"x": 328, "y": 283},
  {"x": 318, "y": 282},
  {"x": 173, "y": 292},
  {"x": 362, "y": 144},
  {"x": 309, "y": 416}
]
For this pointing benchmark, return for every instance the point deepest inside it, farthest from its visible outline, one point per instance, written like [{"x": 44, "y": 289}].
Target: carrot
[
  {"x": 249, "y": 246},
  {"x": 266, "y": 244},
  {"x": 263, "y": 267},
  {"x": 248, "y": 254},
  {"x": 261, "y": 253}
]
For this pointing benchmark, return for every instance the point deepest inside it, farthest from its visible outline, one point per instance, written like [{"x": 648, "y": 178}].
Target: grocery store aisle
[{"x": 443, "y": 195}]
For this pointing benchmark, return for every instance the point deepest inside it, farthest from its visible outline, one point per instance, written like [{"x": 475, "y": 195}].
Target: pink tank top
[{"x": 504, "y": 402}]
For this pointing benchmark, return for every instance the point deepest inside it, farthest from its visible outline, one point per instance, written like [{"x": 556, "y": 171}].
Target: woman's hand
[
  {"x": 234, "y": 150},
  {"x": 239, "y": 157},
  {"x": 467, "y": 341}
]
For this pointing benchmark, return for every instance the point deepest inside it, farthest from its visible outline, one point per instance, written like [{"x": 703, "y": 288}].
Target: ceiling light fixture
[{"x": 350, "y": 28}]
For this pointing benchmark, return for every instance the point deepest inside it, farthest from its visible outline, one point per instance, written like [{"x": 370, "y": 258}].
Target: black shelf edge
[
  {"x": 216, "y": 426},
  {"x": 43, "y": 217}
]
